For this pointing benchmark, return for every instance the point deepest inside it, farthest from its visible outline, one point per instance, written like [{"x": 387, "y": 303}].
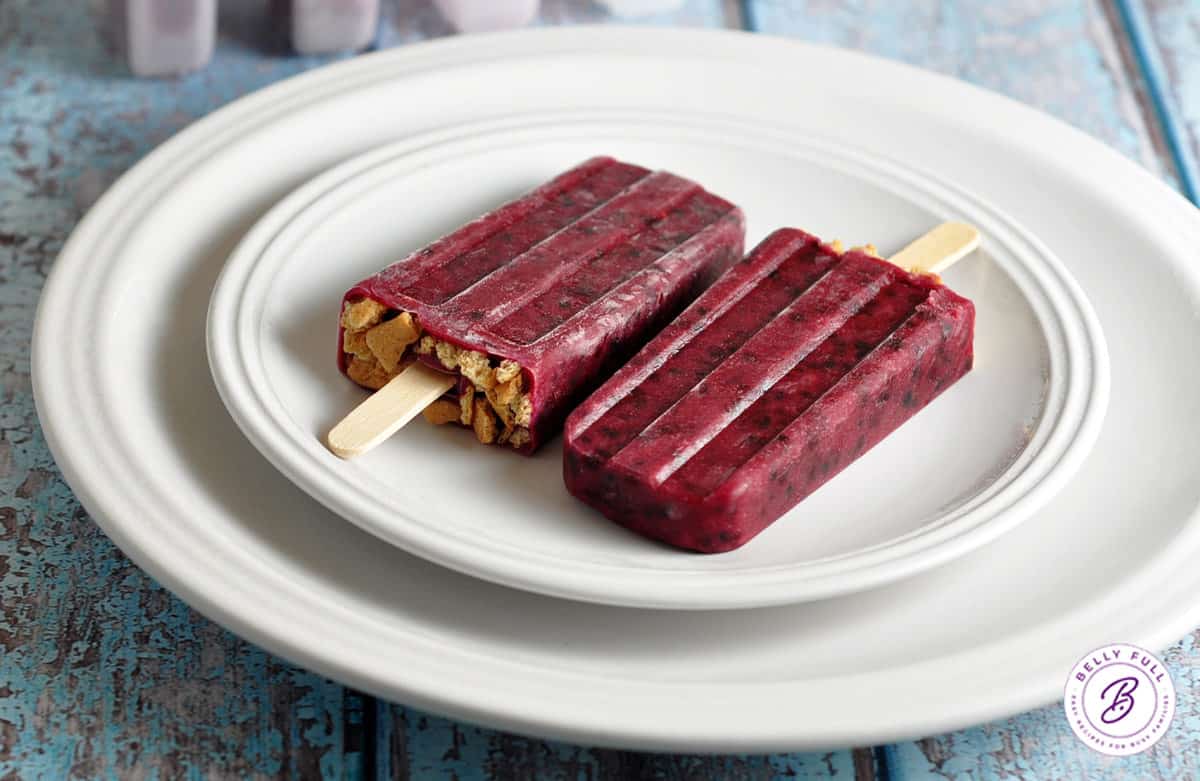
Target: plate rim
[{"x": 112, "y": 510}]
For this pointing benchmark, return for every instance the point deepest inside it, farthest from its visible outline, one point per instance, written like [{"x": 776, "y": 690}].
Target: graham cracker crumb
[
  {"x": 426, "y": 345},
  {"x": 507, "y": 370},
  {"x": 483, "y": 422},
  {"x": 367, "y": 373},
  {"x": 355, "y": 342},
  {"x": 493, "y": 403},
  {"x": 501, "y": 410},
  {"x": 466, "y": 403},
  {"x": 506, "y": 392},
  {"x": 362, "y": 314},
  {"x": 524, "y": 411},
  {"x": 475, "y": 367},
  {"x": 441, "y": 411},
  {"x": 391, "y": 338},
  {"x": 447, "y": 354}
]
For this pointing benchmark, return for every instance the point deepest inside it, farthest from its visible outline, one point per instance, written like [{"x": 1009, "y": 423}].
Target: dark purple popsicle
[
  {"x": 793, "y": 364},
  {"x": 535, "y": 303}
]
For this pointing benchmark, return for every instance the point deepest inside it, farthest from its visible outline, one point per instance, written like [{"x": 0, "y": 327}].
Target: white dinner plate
[
  {"x": 129, "y": 409},
  {"x": 988, "y": 453}
]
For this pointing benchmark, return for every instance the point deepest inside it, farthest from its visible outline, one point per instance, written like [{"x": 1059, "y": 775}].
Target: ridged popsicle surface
[{"x": 787, "y": 369}]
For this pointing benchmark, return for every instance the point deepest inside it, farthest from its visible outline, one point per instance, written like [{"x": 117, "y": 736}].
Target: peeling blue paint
[{"x": 1059, "y": 55}]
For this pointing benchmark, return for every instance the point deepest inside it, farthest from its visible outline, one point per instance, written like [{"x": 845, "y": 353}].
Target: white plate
[
  {"x": 990, "y": 451},
  {"x": 129, "y": 409}
]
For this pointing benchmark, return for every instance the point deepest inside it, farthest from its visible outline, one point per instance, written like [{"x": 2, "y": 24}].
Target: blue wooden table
[{"x": 104, "y": 674}]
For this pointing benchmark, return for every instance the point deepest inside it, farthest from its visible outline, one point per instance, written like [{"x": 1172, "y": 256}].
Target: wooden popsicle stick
[
  {"x": 388, "y": 409},
  {"x": 937, "y": 249}
]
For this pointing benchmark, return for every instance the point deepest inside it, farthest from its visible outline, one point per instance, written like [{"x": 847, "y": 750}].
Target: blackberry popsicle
[
  {"x": 505, "y": 324},
  {"x": 792, "y": 365}
]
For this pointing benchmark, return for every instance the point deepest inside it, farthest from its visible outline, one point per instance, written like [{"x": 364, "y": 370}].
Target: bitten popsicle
[
  {"x": 508, "y": 322},
  {"x": 792, "y": 365}
]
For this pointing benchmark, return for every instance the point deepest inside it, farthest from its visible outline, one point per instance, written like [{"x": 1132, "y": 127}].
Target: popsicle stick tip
[
  {"x": 963, "y": 233},
  {"x": 387, "y": 410},
  {"x": 340, "y": 446},
  {"x": 938, "y": 249}
]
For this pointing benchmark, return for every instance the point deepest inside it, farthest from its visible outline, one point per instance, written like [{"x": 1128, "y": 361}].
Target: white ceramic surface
[
  {"x": 1000, "y": 443},
  {"x": 129, "y": 409}
]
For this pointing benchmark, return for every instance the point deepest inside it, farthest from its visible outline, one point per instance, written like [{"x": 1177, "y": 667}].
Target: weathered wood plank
[
  {"x": 1171, "y": 62},
  {"x": 1063, "y": 56},
  {"x": 417, "y": 745},
  {"x": 103, "y": 673}
]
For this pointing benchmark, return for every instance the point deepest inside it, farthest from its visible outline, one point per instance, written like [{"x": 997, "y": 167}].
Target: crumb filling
[{"x": 379, "y": 342}]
